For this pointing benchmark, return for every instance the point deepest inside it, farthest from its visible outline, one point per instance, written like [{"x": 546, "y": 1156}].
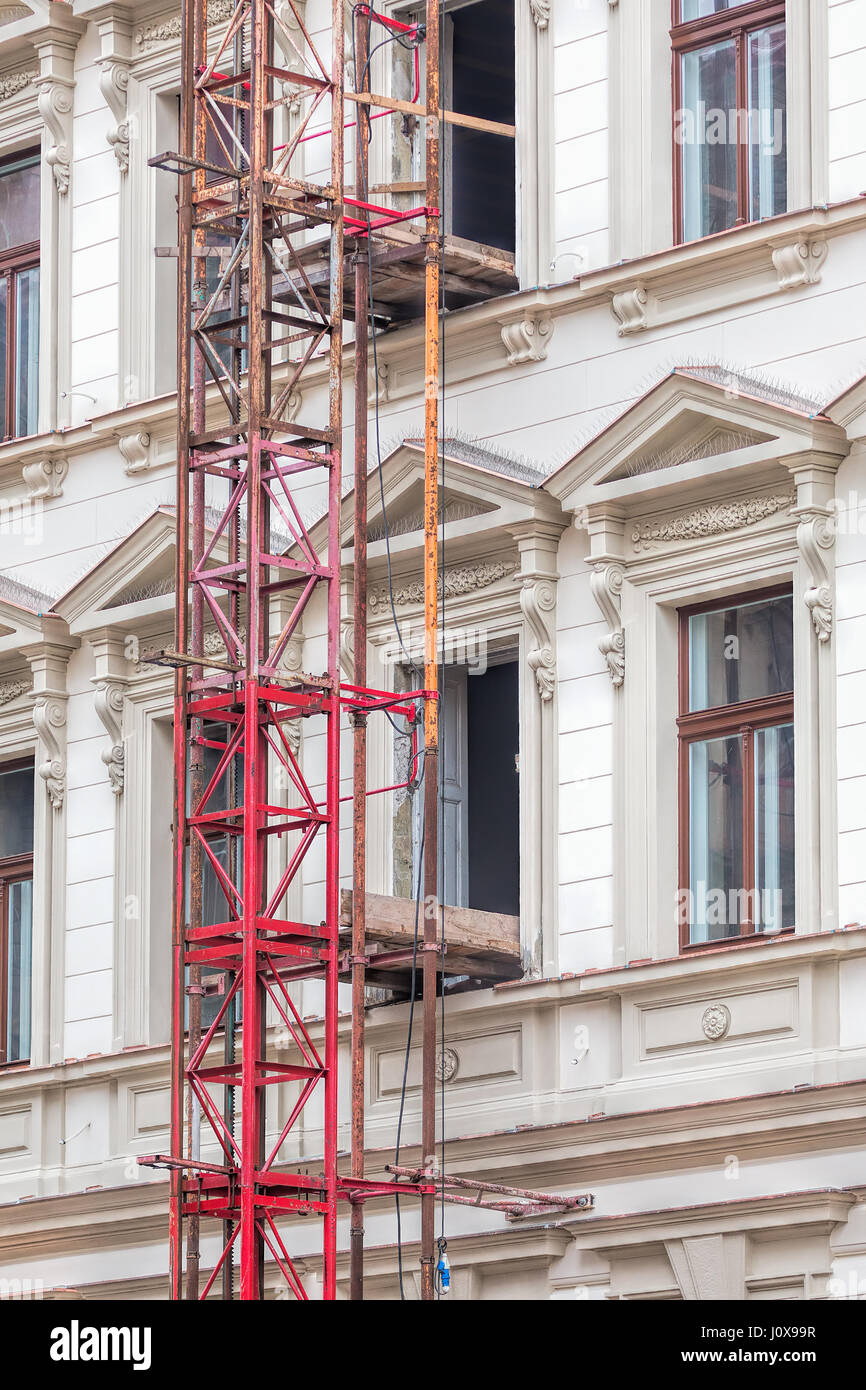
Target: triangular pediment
[
  {"x": 695, "y": 431},
  {"x": 480, "y": 493},
  {"x": 129, "y": 579}
]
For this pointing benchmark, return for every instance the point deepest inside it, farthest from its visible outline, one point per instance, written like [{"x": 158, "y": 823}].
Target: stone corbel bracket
[
  {"x": 629, "y": 308},
  {"x": 55, "y": 107},
  {"x": 115, "y": 35},
  {"x": 382, "y": 376},
  {"x": 49, "y": 718},
  {"x": 538, "y": 603},
  {"x": 800, "y": 263},
  {"x": 108, "y": 703},
  {"x": 606, "y": 582},
  {"x": 815, "y": 538},
  {"x": 44, "y": 477},
  {"x": 135, "y": 450},
  {"x": 114, "y": 85},
  {"x": 540, "y": 11},
  {"x": 528, "y": 339}
]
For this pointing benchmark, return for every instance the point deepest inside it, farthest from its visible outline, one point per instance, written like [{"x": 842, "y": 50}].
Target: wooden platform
[
  {"x": 470, "y": 273},
  {"x": 482, "y": 945}
]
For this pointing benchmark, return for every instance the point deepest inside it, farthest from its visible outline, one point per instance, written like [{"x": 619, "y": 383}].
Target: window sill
[
  {"x": 749, "y": 262},
  {"x": 733, "y": 943}
]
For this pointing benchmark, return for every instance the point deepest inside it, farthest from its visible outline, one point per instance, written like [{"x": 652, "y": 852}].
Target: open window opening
[
  {"x": 479, "y": 816},
  {"x": 477, "y": 74}
]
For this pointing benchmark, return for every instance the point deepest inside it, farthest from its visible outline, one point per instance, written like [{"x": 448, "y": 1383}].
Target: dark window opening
[
  {"x": 482, "y": 178},
  {"x": 493, "y": 784},
  {"x": 479, "y": 812}
]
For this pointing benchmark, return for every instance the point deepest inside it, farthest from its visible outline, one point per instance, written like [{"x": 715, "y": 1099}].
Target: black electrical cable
[{"x": 365, "y": 115}]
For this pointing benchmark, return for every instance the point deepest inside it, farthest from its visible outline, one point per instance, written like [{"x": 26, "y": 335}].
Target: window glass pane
[
  {"x": 699, "y": 9},
  {"x": 709, "y": 147},
  {"x": 26, "y": 350},
  {"x": 16, "y": 812},
  {"x": 215, "y": 908},
  {"x": 741, "y": 653},
  {"x": 715, "y": 837},
  {"x": 768, "y": 165},
  {"x": 774, "y": 827},
  {"x": 19, "y": 204},
  {"x": 4, "y": 305},
  {"x": 20, "y": 897}
]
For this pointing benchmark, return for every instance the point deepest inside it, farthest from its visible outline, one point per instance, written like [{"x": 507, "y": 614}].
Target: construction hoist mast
[{"x": 254, "y": 322}]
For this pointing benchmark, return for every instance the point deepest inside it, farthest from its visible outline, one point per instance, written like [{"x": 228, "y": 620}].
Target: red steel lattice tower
[{"x": 250, "y": 322}]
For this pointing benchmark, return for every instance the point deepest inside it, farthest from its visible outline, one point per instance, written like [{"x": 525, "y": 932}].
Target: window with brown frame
[
  {"x": 730, "y": 118},
  {"x": 19, "y": 294},
  {"x": 16, "y": 909},
  {"x": 736, "y": 768},
  {"x": 215, "y": 903}
]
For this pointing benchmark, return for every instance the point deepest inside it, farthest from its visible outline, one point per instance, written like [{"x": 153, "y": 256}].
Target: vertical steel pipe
[
  {"x": 359, "y": 633},
  {"x": 432, "y": 257}
]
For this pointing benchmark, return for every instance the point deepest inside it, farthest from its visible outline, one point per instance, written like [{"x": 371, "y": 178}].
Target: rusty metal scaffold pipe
[
  {"x": 432, "y": 257},
  {"x": 363, "y": 254}
]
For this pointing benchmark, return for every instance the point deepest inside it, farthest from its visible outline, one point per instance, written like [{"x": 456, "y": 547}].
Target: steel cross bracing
[{"x": 248, "y": 329}]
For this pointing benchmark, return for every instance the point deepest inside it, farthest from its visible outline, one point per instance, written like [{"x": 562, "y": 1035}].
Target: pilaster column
[
  {"x": 48, "y": 661},
  {"x": 538, "y": 545},
  {"x": 55, "y": 49}
]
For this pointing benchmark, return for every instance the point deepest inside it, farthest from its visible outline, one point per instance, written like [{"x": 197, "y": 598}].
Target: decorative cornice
[
  {"x": 538, "y": 602},
  {"x": 815, "y": 535},
  {"x": 528, "y": 339},
  {"x": 11, "y": 83},
  {"x": 218, "y": 12},
  {"x": 49, "y": 718},
  {"x": 108, "y": 703},
  {"x": 712, "y": 520},
  {"x": 44, "y": 478},
  {"x": 452, "y": 584},
  {"x": 606, "y": 583}
]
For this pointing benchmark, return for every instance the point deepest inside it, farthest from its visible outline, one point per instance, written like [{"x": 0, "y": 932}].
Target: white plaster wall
[
  {"x": 847, "y": 126},
  {"x": 851, "y": 684},
  {"x": 95, "y": 192},
  {"x": 581, "y": 123},
  {"x": 90, "y": 858},
  {"x": 585, "y": 703}
]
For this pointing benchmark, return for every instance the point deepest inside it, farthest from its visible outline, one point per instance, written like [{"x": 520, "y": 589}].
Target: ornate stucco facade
[{"x": 638, "y": 427}]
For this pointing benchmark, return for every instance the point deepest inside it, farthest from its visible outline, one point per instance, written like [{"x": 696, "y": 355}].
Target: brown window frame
[
  {"x": 723, "y": 721},
  {"x": 16, "y": 868},
  {"x": 697, "y": 33},
  {"x": 13, "y": 261}
]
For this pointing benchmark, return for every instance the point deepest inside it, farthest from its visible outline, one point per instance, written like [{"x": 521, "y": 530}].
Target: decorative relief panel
[{"x": 713, "y": 520}]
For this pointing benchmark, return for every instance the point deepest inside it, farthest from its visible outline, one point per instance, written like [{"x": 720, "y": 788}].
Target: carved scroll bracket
[
  {"x": 538, "y": 603},
  {"x": 55, "y": 107},
  {"x": 108, "y": 703},
  {"x": 606, "y": 582},
  {"x": 815, "y": 538},
  {"x": 49, "y": 718}
]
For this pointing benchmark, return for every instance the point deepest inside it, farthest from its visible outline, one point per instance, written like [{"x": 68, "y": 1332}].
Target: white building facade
[{"x": 654, "y": 588}]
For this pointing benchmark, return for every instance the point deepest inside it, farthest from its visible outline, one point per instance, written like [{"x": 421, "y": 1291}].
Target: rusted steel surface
[
  {"x": 431, "y": 600},
  {"x": 359, "y": 677}
]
